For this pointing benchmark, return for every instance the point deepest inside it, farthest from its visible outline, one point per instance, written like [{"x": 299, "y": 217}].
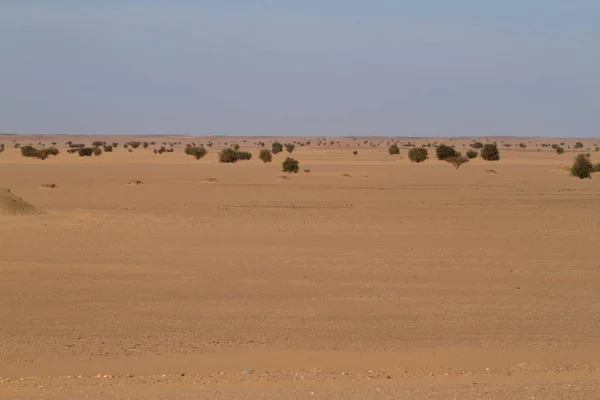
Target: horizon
[{"x": 388, "y": 69}]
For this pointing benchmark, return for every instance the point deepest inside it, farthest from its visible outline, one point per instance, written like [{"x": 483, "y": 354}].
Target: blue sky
[{"x": 329, "y": 67}]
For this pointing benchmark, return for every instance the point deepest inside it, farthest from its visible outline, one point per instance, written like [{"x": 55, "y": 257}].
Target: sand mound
[
  {"x": 48, "y": 185},
  {"x": 346, "y": 175},
  {"x": 135, "y": 182},
  {"x": 14, "y": 205},
  {"x": 283, "y": 178},
  {"x": 209, "y": 180}
]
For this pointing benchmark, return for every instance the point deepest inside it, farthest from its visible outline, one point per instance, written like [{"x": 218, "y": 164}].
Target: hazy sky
[{"x": 302, "y": 67}]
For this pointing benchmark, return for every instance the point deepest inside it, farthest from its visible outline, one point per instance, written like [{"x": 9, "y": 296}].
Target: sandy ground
[{"x": 367, "y": 278}]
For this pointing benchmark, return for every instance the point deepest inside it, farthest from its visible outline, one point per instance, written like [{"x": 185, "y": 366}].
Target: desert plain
[{"x": 369, "y": 277}]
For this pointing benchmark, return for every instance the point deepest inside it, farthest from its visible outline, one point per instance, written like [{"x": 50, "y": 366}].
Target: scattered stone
[{"x": 48, "y": 185}]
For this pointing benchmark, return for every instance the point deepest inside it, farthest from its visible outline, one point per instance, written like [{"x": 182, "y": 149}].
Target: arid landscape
[{"x": 138, "y": 275}]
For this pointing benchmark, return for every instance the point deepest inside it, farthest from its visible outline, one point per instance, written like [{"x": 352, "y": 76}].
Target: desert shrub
[
  {"x": 135, "y": 145},
  {"x": 196, "y": 152},
  {"x": 97, "y": 151},
  {"x": 85, "y": 151},
  {"x": 307, "y": 171},
  {"x": 355, "y": 152},
  {"x": 145, "y": 145},
  {"x": 490, "y": 152},
  {"x": 161, "y": 150},
  {"x": 72, "y": 151},
  {"x": 560, "y": 150},
  {"x": 290, "y": 165},
  {"x": 418, "y": 154},
  {"x": 582, "y": 167},
  {"x": 471, "y": 154},
  {"x": 289, "y": 147},
  {"x": 522, "y": 145},
  {"x": 107, "y": 148},
  {"x": 42, "y": 154},
  {"x": 477, "y": 145},
  {"x": 578, "y": 145},
  {"x": 243, "y": 155},
  {"x": 597, "y": 148},
  {"x": 457, "y": 161},
  {"x": 394, "y": 149},
  {"x": 444, "y": 152},
  {"x": 98, "y": 143},
  {"x": 265, "y": 156},
  {"x": 236, "y": 147},
  {"x": 554, "y": 146},
  {"x": 1, "y": 148},
  {"x": 229, "y": 155},
  {"x": 115, "y": 145},
  {"x": 29, "y": 151},
  {"x": 596, "y": 167},
  {"x": 276, "y": 147},
  {"x": 155, "y": 151}
]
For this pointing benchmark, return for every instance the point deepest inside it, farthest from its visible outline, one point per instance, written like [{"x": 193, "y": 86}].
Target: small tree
[
  {"x": 490, "y": 152},
  {"x": 418, "y": 154},
  {"x": 471, "y": 154},
  {"x": 394, "y": 149},
  {"x": 276, "y": 147},
  {"x": 457, "y": 161},
  {"x": 265, "y": 156},
  {"x": 582, "y": 167},
  {"x": 444, "y": 152},
  {"x": 289, "y": 147},
  {"x": 290, "y": 165}
]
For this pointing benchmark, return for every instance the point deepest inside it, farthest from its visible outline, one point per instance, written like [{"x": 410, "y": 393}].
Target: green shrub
[
  {"x": 471, "y": 154},
  {"x": 394, "y": 149},
  {"x": 243, "y": 155},
  {"x": 582, "y": 167},
  {"x": 490, "y": 152},
  {"x": 265, "y": 156},
  {"x": 108, "y": 148},
  {"x": 290, "y": 165},
  {"x": 444, "y": 152},
  {"x": 85, "y": 151},
  {"x": 42, "y": 154},
  {"x": 559, "y": 150},
  {"x": 289, "y": 147},
  {"x": 229, "y": 155},
  {"x": 276, "y": 147},
  {"x": 196, "y": 152},
  {"x": 418, "y": 154},
  {"x": 477, "y": 145},
  {"x": 97, "y": 151},
  {"x": 236, "y": 147},
  {"x": 457, "y": 161}
]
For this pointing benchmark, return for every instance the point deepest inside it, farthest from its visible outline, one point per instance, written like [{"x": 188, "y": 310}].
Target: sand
[{"x": 368, "y": 278}]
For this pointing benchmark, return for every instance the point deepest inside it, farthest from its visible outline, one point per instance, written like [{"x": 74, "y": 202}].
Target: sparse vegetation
[
  {"x": 290, "y": 165},
  {"x": 559, "y": 150},
  {"x": 355, "y": 152},
  {"x": 289, "y": 147},
  {"x": 490, "y": 152},
  {"x": 135, "y": 145},
  {"x": 582, "y": 167},
  {"x": 107, "y": 148},
  {"x": 443, "y": 152},
  {"x": 394, "y": 149},
  {"x": 229, "y": 155},
  {"x": 42, "y": 154},
  {"x": 418, "y": 154},
  {"x": 85, "y": 151},
  {"x": 97, "y": 151},
  {"x": 265, "y": 156},
  {"x": 477, "y": 145}
]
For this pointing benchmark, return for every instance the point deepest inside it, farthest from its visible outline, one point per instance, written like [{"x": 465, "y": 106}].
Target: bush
[
  {"x": 457, "y": 161},
  {"x": 98, "y": 143},
  {"x": 477, "y": 145},
  {"x": 108, "y": 148},
  {"x": 394, "y": 149},
  {"x": 196, "y": 152},
  {"x": 290, "y": 165},
  {"x": 578, "y": 145},
  {"x": 444, "y": 152},
  {"x": 236, "y": 147},
  {"x": 265, "y": 156},
  {"x": 355, "y": 152},
  {"x": 559, "y": 150},
  {"x": 135, "y": 145},
  {"x": 490, "y": 152},
  {"x": 97, "y": 151},
  {"x": 418, "y": 154},
  {"x": 471, "y": 154},
  {"x": 229, "y": 155},
  {"x": 42, "y": 154},
  {"x": 596, "y": 167},
  {"x": 289, "y": 147},
  {"x": 145, "y": 145},
  {"x": 276, "y": 147},
  {"x": 582, "y": 167},
  {"x": 85, "y": 151}
]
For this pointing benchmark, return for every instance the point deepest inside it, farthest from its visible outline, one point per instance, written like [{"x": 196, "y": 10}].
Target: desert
[{"x": 139, "y": 274}]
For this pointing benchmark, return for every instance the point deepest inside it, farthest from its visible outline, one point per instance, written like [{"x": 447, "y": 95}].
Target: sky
[{"x": 301, "y": 68}]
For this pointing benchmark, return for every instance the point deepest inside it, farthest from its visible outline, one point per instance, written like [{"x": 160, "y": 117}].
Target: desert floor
[{"x": 368, "y": 278}]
